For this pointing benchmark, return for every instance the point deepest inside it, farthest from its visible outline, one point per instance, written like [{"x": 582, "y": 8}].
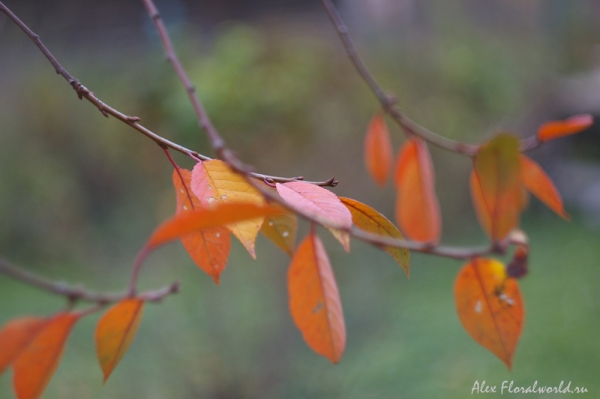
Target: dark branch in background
[
  {"x": 106, "y": 110},
  {"x": 388, "y": 101},
  {"x": 77, "y": 293}
]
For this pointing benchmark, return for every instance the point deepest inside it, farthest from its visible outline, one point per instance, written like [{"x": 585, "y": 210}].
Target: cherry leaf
[
  {"x": 496, "y": 186},
  {"x": 539, "y": 184},
  {"x": 557, "y": 129},
  {"x": 417, "y": 207},
  {"x": 281, "y": 230},
  {"x": 378, "y": 150},
  {"x": 369, "y": 220},
  {"x": 209, "y": 248},
  {"x": 15, "y": 336},
  {"x": 115, "y": 331},
  {"x": 201, "y": 219},
  {"x": 214, "y": 182},
  {"x": 320, "y": 204},
  {"x": 489, "y": 306},
  {"x": 35, "y": 366},
  {"x": 315, "y": 302}
]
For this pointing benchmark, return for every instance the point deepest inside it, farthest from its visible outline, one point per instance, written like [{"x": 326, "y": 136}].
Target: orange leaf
[
  {"x": 15, "y": 336},
  {"x": 115, "y": 331},
  {"x": 537, "y": 181},
  {"x": 315, "y": 301},
  {"x": 281, "y": 230},
  {"x": 200, "y": 219},
  {"x": 496, "y": 186},
  {"x": 322, "y": 205},
  {"x": 368, "y": 219},
  {"x": 378, "y": 150},
  {"x": 557, "y": 129},
  {"x": 37, "y": 363},
  {"x": 209, "y": 248},
  {"x": 417, "y": 207},
  {"x": 214, "y": 182},
  {"x": 489, "y": 306}
]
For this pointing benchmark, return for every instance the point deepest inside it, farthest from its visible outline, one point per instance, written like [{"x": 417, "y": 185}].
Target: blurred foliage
[{"x": 79, "y": 194}]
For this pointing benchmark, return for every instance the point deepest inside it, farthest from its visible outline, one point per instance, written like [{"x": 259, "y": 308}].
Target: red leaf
[
  {"x": 315, "y": 301},
  {"x": 35, "y": 366},
  {"x": 378, "y": 150},
  {"x": 209, "y": 248},
  {"x": 557, "y": 129},
  {"x": 417, "y": 207},
  {"x": 537, "y": 181},
  {"x": 489, "y": 306},
  {"x": 321, "y": 204},
  {"x": 369, "y": 220},
  {"x": 496, "y": 186},
  {"x": 201, "y": 219},
  {"x": 15, "y": 336},
  {"x": 115, "y": 331}
]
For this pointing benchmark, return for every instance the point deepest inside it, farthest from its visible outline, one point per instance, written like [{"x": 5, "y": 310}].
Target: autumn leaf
[
  {"x": 417, "y": 207},
  {"x": 115, "y": 331},
  {"x": 369, "y": 220},
  {"x": 15, "y": 336},
  {"x": 281, "y": 230},
  {"x": 320, "y": 204},
  {"x": 378, "y": 150},
  {"x": 489, "y": 306},
  {"x": 496, "y": 186},
  {"x": 315, "y": 302},
  {"x": 209, "y": 248},
  {"x": 537, "y": 181},
  {"x": 35, "y": 366},
  {"x": 214, "y": 182},
  {"x": 557, "y": 129}
]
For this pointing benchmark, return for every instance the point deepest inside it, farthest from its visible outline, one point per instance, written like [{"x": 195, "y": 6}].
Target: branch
[
  {"x": 388, "y": 102},
  {"x": 78, "y": 293},
  {"x": 133, "y": 121}
]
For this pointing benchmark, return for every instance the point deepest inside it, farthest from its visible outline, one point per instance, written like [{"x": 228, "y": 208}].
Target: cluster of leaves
[{"x": 487, "y": 296}]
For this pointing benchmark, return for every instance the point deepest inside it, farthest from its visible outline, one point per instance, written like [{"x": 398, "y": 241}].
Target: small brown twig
[
  {"x": 388, "y": 102},
  {"x": 78, "y": 293}
]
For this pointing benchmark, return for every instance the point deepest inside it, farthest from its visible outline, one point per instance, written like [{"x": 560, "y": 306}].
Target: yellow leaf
[
  {"x": 214, "y": 182},
  {"x": 281, "y": 230}
]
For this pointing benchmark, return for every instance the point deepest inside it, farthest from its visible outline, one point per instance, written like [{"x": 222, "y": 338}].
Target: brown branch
[
  {"x": 388, "y": 102},
  {"x": 78, "y": 293},
  {"x": 133, "y": 121}
]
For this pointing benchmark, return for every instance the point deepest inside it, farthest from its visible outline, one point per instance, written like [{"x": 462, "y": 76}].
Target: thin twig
[
  {"x": 78, "y": 293},
  {"x": 388, "y": 102}
]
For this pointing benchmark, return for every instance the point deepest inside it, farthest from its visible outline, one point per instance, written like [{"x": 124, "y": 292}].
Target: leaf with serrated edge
[
  {"x": 378, "y": 150},
  {"x": 490, "y": 307},
  {"x": 557, "y": 129},
  {"x": 35, "y": 366},
  {"x": 281, "y": 230},
  {"x": 15, "y": 336},
  {"x": 214, "y": 182},
  {"x": 371, "y": 221},
  {"x": 199, "y": 219},
  {"x": 539, "y": 184},
  {"x": 496, "y": 186},
  {"x": 315, "y": 302},
  {"x": 417, "y": 207},
  {"x": 322, "y": 205},
  {"x": 115, "y": 331},
  {"x": 209, "y": 248}
]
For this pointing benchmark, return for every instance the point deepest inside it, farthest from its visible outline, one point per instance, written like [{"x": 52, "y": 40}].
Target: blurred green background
[{"x": 80, "y": 194}]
